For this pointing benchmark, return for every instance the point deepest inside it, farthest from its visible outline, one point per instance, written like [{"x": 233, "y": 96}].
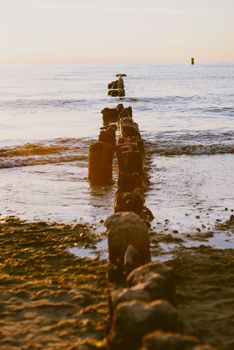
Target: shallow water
[
  {"x": 189, "y": 191},
  {"x": 50, "y": 114}
]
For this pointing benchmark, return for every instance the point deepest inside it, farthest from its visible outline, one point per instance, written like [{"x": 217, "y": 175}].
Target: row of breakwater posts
[
  {"x": 142, "y": 304},
  {"x": 116, "y": 87}
]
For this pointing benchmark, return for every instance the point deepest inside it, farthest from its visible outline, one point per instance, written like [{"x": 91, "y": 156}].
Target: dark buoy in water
[{"x": 192, "y": 61}]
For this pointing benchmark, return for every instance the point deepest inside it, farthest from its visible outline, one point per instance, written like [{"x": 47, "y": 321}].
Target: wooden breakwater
[
  {"x": 143, "y": 313},
  {"x": 116, "y": 88}
]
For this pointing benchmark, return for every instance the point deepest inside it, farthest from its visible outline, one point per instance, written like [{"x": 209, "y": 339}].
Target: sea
[{"x": 50, "y": 114}]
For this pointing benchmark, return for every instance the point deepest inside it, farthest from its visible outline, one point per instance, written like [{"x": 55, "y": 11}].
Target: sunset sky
[{"x": 63, "y": 31}]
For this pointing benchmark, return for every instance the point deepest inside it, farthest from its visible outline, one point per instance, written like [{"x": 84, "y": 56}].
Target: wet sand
[
  {"x": 50, "y": 299},
  {"x": 205, "y": 293}
]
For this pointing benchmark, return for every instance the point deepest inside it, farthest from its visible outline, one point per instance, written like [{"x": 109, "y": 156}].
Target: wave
[
  {"x": 221, "y": 110},
  {"x": 227, "y": 111},
  {"x": 42, "y": 103},
  {"x": 31, "y": 149},
  {"x": 64, "y": 150},
  {"x": 163, "y": 99},
  {"x": 190, "y": 143},
  {"x": 172, "y": 150},
  {"x": 86, "y": 104},
  {"x": 180, "y": 104},
  {"x": 30, "y": 154}
]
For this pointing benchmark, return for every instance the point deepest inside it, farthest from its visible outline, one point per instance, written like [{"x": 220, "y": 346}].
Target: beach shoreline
[
  {"x": 52, "y": 299},
  {"x": 48, "y": 297}
]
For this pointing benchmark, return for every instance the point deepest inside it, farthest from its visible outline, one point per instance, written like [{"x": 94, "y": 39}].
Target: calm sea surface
[{"x": 49, "y": 114}]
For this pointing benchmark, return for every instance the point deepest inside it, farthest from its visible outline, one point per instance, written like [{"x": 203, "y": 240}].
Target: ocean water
[{"x": 49, "y": 114}]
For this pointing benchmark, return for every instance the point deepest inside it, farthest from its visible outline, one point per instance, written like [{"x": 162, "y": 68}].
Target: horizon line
[{"x": 197, "y": 61}]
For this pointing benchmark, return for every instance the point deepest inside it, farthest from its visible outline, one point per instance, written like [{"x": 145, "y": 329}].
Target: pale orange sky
[{"x": 63, "y": 31}]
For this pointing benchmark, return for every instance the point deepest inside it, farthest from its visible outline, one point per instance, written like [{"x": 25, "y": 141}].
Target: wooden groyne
[
  {"x": 143, "y": 313},
  {"x": 116, "y": 87}
]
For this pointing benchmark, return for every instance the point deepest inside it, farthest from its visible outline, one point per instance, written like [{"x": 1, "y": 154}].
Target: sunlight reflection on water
[{"x": 184, "y": 112}]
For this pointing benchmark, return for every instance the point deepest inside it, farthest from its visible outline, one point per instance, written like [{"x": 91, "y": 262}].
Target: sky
[{"x": 105, "y": 31}]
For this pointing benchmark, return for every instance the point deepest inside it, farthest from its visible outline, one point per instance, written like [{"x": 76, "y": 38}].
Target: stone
[
  {"x": 142, "y": 274},
  {"x": 132, "y": 320},
  {"x": 127, "y": 294},
  {"x": 155, "y": 286},
  {"x": 168, "y": 341},
  {"x": 149, "y": 291},
  {"x": 124, "y": 229}
]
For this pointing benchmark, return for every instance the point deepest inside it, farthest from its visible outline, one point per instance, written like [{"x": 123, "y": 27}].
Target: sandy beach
[
  {"x": 50, "y": 299},
  {"x": 116, "y": 175}
]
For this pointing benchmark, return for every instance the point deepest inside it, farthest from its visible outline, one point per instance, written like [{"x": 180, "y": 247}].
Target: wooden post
[{"x": 100, "y": 163}]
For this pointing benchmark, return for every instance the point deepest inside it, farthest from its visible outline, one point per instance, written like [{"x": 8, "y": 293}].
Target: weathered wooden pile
[
  {"x": 132, "y": 177},
  {"x": 101, "y": 152},
  {"x": 143, "y": 312},
  {"x": 116, "y": 87}
]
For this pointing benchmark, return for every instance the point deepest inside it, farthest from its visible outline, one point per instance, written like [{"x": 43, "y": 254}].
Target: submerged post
[{"x": 192, "y": 61}]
